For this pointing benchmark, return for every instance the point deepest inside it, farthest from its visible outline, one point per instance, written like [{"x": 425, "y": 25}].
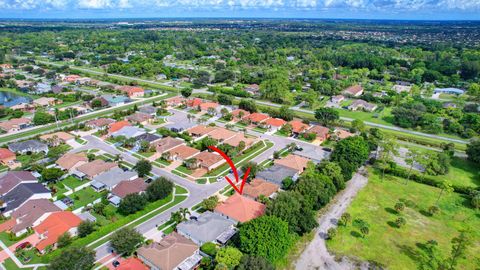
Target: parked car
[
  {"x": 115, "y": 263},
  {"x": 23, "y": 245}
]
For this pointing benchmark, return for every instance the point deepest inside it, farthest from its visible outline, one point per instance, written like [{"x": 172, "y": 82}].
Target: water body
[{"x": 9, "y": 99}]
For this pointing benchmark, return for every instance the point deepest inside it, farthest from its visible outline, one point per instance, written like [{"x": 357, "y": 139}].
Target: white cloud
[
  {"x": 95, "y": 4},
  {"x": 460, "y": 4}
]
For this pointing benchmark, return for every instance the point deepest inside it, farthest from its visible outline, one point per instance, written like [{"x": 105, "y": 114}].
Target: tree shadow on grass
[
  {"x": 356, "y": 234},
  {"x": 391, "y": 210},
  {"x": 410, "y": 251},
  {"x": 425, "y": 213},
  {"x": 392, "y": 224}
]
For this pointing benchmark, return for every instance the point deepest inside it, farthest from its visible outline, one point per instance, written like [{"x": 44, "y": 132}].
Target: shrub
[
  {"x": 331, "y": 233},
  {"x": 400, "y": 222},
  {"x": 399, "y": 207},
  {"x": 209, "y": 249},
  {"x": 432, "y": 210}
]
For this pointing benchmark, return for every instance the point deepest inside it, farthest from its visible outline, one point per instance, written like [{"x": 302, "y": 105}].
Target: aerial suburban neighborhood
[{"x": 239, "y": 144}]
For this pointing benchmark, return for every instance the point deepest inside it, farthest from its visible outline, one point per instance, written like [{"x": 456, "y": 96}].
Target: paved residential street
[{"x": 316, "y": 255}]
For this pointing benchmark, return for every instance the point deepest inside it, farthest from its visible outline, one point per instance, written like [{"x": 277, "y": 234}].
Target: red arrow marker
[{"x": 234, "y": 169}]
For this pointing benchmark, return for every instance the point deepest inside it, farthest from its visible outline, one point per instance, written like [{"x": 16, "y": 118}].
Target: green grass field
[
  {"x": 85, "y": 196},
  {"x": 397, "y": 248},
  {"x": 462, "y": 172}
]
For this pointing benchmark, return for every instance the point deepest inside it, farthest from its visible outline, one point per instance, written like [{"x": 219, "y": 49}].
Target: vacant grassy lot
[
  {"x": 397, "y": 248},
  {"x": 463, "y": 173},
  {"x": 84, "y": 196}
]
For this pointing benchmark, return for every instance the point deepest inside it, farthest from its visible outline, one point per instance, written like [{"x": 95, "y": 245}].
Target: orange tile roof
[
  {"x": 259, "y": 187},
  {"x": 208, "y": 159},
  {"x": 117, "y": 126},
  {"x": 5, "y": 153},
  {"x": 298, "y": 126},
  {"x": 195, "y": 102},
  {"x": 354, "y": 89},
  {"x": 96, "y": 167},
  {"x": 206, "y": 105},
  {"x": 257, "y": 117},
  {"x": 61, "y": 135},
  {"x": 132, "y": 264},
  {"x": 184, "y": 152},
  {"x": 241, "y": 208},
  {"x": 200, "y": 130},
  {"x": 235, "y": 141},
  {"x": 221, "y": 134},
  {"x": 322, "y": 132},
  {"x": 343, "y": 134},
  {"x": 54, "y": 226},
  {"x": 293, "y": 161},
  {"x": 275, "y": 122},
  {"x": 236, "y": 113},
  {"x": 69, "y": 160}
]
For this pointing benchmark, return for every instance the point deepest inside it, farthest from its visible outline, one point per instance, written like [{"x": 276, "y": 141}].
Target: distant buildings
[
  {"x": 450, "y": 90},
  {"x": 354, "y": 91}
]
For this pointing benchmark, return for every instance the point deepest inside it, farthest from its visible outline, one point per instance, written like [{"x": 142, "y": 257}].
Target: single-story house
[
  {"x": 100, "y": 123},
  {"x": 129, "y": 132},
  {"x": 11, "y": 179},
  {"x": 194, "y": 103},
  {"x": 401, "y": 88},
  {"x": 113, "y": 127},
  {"x": 132, "y": 263},
  {"x": 200, "y": 131},
  {"x": 94, "y": 168},
  {"x": 258, "y": 187},
  {"x": 342, "y": 134},
  {"x": 449, "y": 90},
  {"x": 256, "y": 118},
  {"x": 166, "y": 144},
  {"x": 337, "y": 99},
  {"x": 57, "y": 138},
  {"x": 321, "y": 133},
  {"x": 25, "y": 147},
  {"x": 209, "y": 160},
  {"x": 298, "y": 126},
  {"x": 206, "y": 106},
  {"x": 295, "y": 162},
  {"x": 148, "y": 137},
  {"x": 171, "y": 253},
  {"x": 21, "y": 194},
  {"x": 274, "y": 124},
  {"x": 132, "y": 91},
  {"x": 252, "y": 89},
  {"x": 71, "y": 161},
  {"x": 54, "y": 226},
  {"x": 46, "y": 101},
  {"x": 103, "y": 102},
  {"x": 221, "y": 134},
  {"x": 362, "y": 104},
  {"x": 71, "y": 78},
  {"x": 148, "y": 109},
  {"x": 277, "y": 173},
  {"x": 125, "y": 187},
  {"x": 354, "y": 90},
  {"x": 15, "y": 124},
  {"x": 208, "y": 227},
  {"x": 116, "y": 100},
  {"x": 239, "y": 114},
  {"x": 7, "y": 157},
  {"x": 181, "y": 153},
  {"x": 175, "y": 101},
  {"x": 240, "y": 137},
  {"x": 112, "y": 178},
  {"x": 30, "y": 214},
  {"x": 24, "y": 107},
  {"x": 140, "y": 118},
  {"x": 240, "y": 208},
  {"x": 315, "y": 154}
]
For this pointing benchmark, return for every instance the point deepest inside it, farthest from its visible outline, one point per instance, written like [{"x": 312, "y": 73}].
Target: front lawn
[
  {"x": 184, "y": 169},
  {"x": 72, "y": 182},
  {"x": 398, "y": 248}
]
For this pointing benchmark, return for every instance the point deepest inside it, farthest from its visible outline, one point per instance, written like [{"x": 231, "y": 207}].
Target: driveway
[{"x": 316, "y": 255}]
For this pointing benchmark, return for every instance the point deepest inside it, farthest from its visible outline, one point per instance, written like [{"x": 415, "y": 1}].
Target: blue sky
[{"x": 357, "y": 9}]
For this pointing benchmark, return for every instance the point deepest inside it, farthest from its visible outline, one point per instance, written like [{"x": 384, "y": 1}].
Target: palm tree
[
  {"x": 184, "y": 212},
  {"x": 118, "y": 158},
  {"x": 412, "y": 157},
  {"x": 389, "y": 148}
]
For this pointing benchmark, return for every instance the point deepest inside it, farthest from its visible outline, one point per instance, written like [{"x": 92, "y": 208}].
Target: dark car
[
  {"x": 115, "y": 263},
  {"x": 23, "y": 245}
]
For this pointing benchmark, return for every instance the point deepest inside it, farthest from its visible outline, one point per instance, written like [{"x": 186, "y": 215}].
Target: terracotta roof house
[
  {"x": 337, "y": 98},
  {"x": 363, "y": 105},
  {"x": 132, "y": 263},
  {"x": 15, "y": 124},
  {"x": 139, "y": 118},
  {"x": 57, "y": 138},
  {"x": 12, "y": 179},
  {"x": 298, "y": 126},
  {"x": 71, "y": 161},
  {"x": 24, "y": 107},
  {"x": 256, "y": 118},
  {"x": 322, "y": 133},
  {"x": 343, "y": 134},
  {"x": 25, "y": 147},
  {"x": 259, "y": 187},
  {"x": 71, "y": 78},
  {"x": 6, "y": 156},
  {"x": 125, "y": 187},
  {"x": 194, "y": 102},
  {"x": 205, "y": 106},
  {"x": 100, "y": 123},
  {"x": 96, "y": 167},
  {"x": 200, "y": 130},
  {"x": 239, "y": 114},
  {"x": 273, "y": 124},
  {"x": 240, "y": 137},
  {"x": 182, "y": 152},
  {"x": 28, "y": 215},
  {"x": 113, "y": 127},
  {"x": 240, "y": 208},
  {"x": 21, "y": 194},
  {"x": 295, "y": 162},
  {"x": 208, "y": 227},
  {"x": 172, "y": 253},
  {"x": 221, "y": 134},
  {"x": 46, "y": 101},
  {"x": 132, "y": 91},
  {"x": 166, "y": 144},
  {"x": 54, "y": 226},
  {"x": 209, "y": 160},
  {"x": 354, "y": 90},
  {"x": 175, "y": 101},
  {"x": 103, "y": 102}
]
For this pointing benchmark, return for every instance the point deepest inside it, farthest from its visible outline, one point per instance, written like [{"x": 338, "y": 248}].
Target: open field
[{"x": 398, "y": 248}]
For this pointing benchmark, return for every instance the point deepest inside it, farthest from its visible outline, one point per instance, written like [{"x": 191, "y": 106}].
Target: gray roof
[
  {"x": 114, "y": 176},
  {"x": 316, "y": 154},
  {"x": 149, "y": 137},
  {"x": 61, "y": 205},
  {"x": 97, "y": 185},
  {"x": 207, "y": 228},
  {"x": 87, "y": 216},
  {"x": 449, "y": 90},
  {"x": 115, "y": 200},
  {"x": 148, "y": 109},
  {"x": 21, "y": 194},
  {"x": 276, "y": 174},
  {"x": 129, "y": 132},
  {"x": 30, "y": 145}
]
